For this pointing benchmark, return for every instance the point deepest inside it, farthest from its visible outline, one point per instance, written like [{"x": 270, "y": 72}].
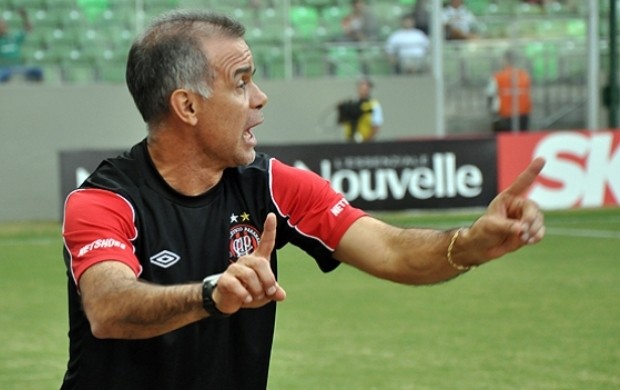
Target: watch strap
[{"x": 208, "y": 285}]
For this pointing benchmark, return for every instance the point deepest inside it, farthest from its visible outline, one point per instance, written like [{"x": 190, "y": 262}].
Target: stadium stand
[
  {"x": 331, "y": 17},
  {"x": 305, "y": 23},
  {"x": 76, "y": 34},
  {"x": 86, "y": 41},
  {"x": 310, "y": 62}
]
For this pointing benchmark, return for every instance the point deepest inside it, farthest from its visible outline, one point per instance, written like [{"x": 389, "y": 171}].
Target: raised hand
[
  {"x": 511, "y": 220},
  {"x": 250, "y": 282}
]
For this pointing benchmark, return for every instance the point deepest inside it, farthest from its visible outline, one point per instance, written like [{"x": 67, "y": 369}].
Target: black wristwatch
[{"x": 208, "y": 285}]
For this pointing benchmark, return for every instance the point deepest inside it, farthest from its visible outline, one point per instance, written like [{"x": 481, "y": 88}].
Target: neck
[{"x": 181, "y": 165}]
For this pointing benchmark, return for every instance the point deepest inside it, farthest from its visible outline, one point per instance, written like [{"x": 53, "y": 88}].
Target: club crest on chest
[{"x": 243, "y": 237}]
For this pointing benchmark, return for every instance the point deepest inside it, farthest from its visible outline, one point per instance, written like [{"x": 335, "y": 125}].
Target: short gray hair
[{"x": 169, "y": 55}]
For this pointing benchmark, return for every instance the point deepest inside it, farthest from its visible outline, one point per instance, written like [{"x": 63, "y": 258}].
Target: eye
[{"x": 242, "y": 84}]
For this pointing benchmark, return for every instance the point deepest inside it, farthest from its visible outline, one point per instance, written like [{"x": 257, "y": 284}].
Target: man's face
[
  {"x": 408, "y": 23},
  {"x": 227, "y": 118},
  {"x": 363, "y": 89}
]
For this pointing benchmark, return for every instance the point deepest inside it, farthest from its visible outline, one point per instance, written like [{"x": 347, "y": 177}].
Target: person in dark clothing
[{"x": 171, "y": 248}]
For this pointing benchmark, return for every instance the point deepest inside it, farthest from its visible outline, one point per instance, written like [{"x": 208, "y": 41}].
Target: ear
[{"x": 184, "y": 104}]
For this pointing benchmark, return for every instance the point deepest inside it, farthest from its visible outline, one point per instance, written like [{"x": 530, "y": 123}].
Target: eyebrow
[{"x": 245, "y": 69}]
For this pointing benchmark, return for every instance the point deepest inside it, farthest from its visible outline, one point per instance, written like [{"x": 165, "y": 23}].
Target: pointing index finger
[
  {"x": 268, "y": 238},
  {"x": 527, "y": 177}
]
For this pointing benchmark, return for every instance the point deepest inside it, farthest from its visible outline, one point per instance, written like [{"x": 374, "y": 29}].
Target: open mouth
[{"x": 249, "y": 137}]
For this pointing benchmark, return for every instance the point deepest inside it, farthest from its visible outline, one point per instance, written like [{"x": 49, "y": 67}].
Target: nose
[{"x": 259, "y": 98}]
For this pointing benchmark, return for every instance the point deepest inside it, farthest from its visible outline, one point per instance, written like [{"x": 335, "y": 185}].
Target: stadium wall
[{"x": 37, "y": 122}]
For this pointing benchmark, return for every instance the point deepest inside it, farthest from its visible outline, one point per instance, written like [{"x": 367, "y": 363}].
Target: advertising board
[
  {"x": 582, "y": 170},
  {"x": 426, "y": 174}
]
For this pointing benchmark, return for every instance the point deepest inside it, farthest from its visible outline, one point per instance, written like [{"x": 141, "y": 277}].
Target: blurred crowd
[{"x": 402, "y": 32}]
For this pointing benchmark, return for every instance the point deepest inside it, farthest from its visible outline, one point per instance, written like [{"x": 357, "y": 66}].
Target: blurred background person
[
  {"x": 459, "y": 21},
  {"x": 407, "y": 48},
  {"x": 361, "y": 23},
  {"x": 509, "y": 95},
  {"x": 11, "y": 59},
  {"x": 361, "y": 118}
]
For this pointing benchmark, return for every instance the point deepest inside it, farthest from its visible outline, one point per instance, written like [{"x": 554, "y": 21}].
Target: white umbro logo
[{"x": 165, "y": 259}]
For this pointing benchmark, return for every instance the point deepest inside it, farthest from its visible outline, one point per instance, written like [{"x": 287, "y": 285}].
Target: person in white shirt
[
  {"x": 459, "y": 22},
  {"x": 407, "y": 48}
]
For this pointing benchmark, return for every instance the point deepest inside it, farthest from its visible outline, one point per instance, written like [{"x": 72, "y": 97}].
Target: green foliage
[{"x": 545, "y": 317}]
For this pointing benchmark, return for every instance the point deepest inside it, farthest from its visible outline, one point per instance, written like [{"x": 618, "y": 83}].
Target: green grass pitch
[{"x": 546, "y": 317}]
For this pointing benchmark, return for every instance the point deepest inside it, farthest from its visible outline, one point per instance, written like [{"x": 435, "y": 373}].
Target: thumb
[{"x": 268, "y": 238}]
